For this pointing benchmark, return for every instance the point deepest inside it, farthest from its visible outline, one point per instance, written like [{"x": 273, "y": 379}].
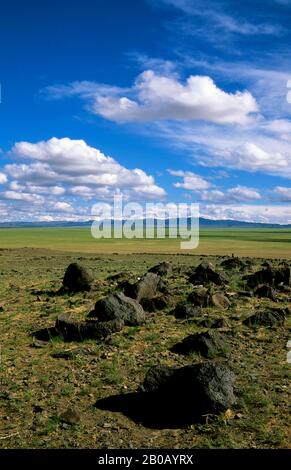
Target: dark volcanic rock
[
  {"x": 199, "y": 297},
  {"x": 269, "y": 276},
  {"x": 208, "y": 344},
  {"x": 202, "y": 297},
  {"x": 205, "y": 274},
  {"x": 45, "y": 334},
  {"x": 146, "y": 288},
  {"x": 156, "y": 303},
  {"x": 266, "y": 291},
  {"x": 77, "y": 278},
  {"x": 283, "y": 276},
  {"x": 74, "y": 330},
  {"x": 193, "y": 390},
  {"x": 264, "y": 276},
  {"x": 272, "y": 317},
  {"x": 162, "y": 269},
  {"x": 158, "y": 378},
  {"x": 233, "y": 263},
  {"x": 118, "y": 307},
  {"x": 220, "y": 300},
  {"x": 266, "y": 264},
  {"x": 184, "y": 310}
]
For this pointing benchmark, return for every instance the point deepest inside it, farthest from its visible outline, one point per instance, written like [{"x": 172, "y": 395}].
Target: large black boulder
[
  {"x": 268, "y": 318},
  {"x": 72, "y": 329},
  {"x": 184, "y": 310},
  {"x": 162, "y": 269},
  {"x": 160, "y": 302},
  {"x": 192, "y": 390},
  {"x": 208, "y": 344},
  {"x": 205, "y": 273},
  {"x": 77, "y": 278},
  {"x": 118, "y": 307},
  {"x": 266, "y": 291},
  {"x": 233, "y": 263},
  {"x": 145, "y": 288},
  {"x": 269, "y": 276}
]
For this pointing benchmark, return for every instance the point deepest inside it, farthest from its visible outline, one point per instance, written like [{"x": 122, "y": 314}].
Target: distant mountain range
[{"x": 203, "y": 223}]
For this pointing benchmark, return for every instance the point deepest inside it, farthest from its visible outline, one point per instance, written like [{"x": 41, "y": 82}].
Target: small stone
[
  {"x": 266, "y": 291},
  {"x": 220, "y": 300},
  {"x": 70, "y": 416},
  {"x": 199, "y": 297}
]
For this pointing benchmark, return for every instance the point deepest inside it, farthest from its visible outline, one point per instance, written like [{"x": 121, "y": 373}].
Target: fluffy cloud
[
  {"x": 23, "y": 197},
  {"x": 250, "y": 156},
  {"x": 281, "y": 127},
  {"x": 60, "y": 165},
  {"x": 63, "y": 207},
  {"x": 60, "y": 179},
  {"x": 253, "y": 149},
  {"x": 198, "y": 114},
  {"x": 156, "y": 97},
  {"x": 236, "y": 194},
  {"x": 3, "y": 178},
  {"x": 191, "y": 181},
  {"x": 282, "y": 193},
  {"x": 263, "y": 146},
  {"x": 204, "y": 191}
]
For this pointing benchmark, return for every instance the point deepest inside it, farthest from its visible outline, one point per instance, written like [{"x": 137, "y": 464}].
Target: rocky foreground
[{"x": 229, "y": 309}]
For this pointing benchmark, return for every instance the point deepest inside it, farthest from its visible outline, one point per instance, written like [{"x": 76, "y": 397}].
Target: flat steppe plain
[
  {"x": 35, "y": 388},
  {"x": 269, "y": 243}
]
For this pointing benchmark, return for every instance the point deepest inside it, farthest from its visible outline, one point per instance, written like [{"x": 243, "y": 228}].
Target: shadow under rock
[
  {"x": 150, "y": 409},
  {"x": 50, "y": 293}
]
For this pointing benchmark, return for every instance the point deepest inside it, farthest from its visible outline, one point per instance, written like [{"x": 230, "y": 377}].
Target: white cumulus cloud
[
  {"x": 3, "y": 178},
  {"x": 51, "y": 166},
  {"x": 231, "y": 195},
  {"x": 156, "y": 97},
  {"x": 191, "y": 181},
  {"x": 282, "y": 193}
]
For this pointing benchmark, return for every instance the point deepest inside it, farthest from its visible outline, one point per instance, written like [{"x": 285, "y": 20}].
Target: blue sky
[{"x": 161, "y": 100}]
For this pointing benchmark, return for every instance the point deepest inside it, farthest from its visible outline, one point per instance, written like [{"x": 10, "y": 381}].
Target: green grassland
[
  {"x": 271, "y": 243},
  {"x": 36, "y": 388}
]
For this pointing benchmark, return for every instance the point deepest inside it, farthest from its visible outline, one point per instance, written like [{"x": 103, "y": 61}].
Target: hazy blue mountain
[{"x": 205, "y": 223}]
